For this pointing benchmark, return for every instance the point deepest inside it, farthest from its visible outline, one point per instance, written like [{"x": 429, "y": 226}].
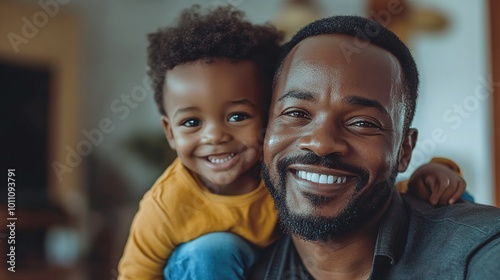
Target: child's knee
[
  {"x": 212, "y": 255},
  {"x": 216, "y": 245}
]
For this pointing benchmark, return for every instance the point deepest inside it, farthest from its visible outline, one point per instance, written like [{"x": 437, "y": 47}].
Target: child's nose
[{"x": 215, "y": 134}]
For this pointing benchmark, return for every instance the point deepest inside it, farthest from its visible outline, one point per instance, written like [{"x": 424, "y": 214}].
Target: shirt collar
[{"x": 393, "y": 230}]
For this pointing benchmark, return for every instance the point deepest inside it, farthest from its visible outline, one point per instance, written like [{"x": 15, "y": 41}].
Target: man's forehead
[
  {"x": 342, "y": 50},
  {"x": 327, "y": 58},
  {"x": 322, "y": 44}
]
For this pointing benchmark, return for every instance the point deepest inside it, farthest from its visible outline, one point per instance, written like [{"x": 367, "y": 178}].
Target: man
[{"x": 339, "y": 132}]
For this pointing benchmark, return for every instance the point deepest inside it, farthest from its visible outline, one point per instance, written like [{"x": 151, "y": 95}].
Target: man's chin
[
  {"x": 305, "y": 204},
  {"x": 331, "y": 219},
  {"x": 312, "y": 228},
  {"x": 314, "y": 225}
]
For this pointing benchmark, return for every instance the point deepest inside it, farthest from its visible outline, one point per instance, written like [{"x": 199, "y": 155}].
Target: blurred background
[{"x": 82, "y": 132}]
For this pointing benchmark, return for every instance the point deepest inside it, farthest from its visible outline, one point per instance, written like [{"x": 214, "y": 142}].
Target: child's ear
[
  {"x": 168, "y": 132},
  {"x": 409, "y": 142}
]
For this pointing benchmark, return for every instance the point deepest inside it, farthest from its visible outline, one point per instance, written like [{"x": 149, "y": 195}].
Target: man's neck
[{"x": 349, "y": 257}]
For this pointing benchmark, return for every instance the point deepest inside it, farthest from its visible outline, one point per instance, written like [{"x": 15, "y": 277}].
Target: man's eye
[
  {"x": 365, "y": 124},
  {"x": 238, "y": 117},
  {"x": 297, "y": 114},
  {"x": 191, "y": 123}
]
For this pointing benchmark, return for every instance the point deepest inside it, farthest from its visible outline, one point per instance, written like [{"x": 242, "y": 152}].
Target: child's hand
[{"x": 438, "y": 183}]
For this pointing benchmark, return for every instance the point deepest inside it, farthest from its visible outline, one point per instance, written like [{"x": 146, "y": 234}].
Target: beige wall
[{"x": 52, "y": 40}]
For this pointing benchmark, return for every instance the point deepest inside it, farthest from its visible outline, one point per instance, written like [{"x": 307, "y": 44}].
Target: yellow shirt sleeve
[
  {"x": 448, "y": 162},
  {"x": 145, "y": 255},
  {"x": 403, "y": 185}
]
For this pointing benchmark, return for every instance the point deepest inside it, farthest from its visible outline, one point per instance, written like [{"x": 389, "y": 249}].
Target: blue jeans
[{"x": 218, "y": 255}]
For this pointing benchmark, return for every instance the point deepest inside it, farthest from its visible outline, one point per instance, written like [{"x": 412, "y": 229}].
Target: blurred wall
[{"x": 453, "y": 112}]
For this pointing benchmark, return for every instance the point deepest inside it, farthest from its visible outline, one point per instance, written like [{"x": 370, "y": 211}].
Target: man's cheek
[
  {"x": 272, "y": 144},
  {"x": 278, "y": 142}
]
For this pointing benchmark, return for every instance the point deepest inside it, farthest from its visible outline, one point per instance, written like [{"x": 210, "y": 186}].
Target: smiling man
[{"x": 339, "y": 132}]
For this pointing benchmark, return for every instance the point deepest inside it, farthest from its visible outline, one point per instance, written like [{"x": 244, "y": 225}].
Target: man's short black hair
[
  {"x": 222, "y": 33},
  {"x": 373, "y": 32}
]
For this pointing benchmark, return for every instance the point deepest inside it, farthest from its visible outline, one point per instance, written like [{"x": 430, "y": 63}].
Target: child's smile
[{"x": 222, "y": 161}]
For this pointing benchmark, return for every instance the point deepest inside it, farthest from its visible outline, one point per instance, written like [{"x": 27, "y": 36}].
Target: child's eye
[
  {"x": 238, "y": 117},
  {"x": 191, "y": 123}
]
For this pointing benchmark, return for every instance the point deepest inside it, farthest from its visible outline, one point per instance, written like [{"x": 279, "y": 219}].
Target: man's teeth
[
  {"x": 321, "y": 178},
  {"x": 220, "y": 160}
]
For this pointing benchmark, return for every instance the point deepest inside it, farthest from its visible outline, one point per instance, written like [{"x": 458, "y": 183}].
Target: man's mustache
[{"x": 330, "y": 161}]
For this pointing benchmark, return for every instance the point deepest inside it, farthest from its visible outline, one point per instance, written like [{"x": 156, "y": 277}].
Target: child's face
[{"x": 214, "y": 122}]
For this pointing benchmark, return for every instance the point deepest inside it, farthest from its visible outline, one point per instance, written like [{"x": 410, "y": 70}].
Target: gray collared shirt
[{"x": 415, "y": 241}]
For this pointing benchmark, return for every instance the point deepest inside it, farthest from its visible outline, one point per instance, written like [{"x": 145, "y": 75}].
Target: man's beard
[{"x": 358, "y": 211}]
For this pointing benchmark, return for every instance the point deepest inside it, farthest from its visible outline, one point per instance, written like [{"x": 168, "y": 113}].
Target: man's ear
[
  {"x": 168, "y": 132},
  {"x": 409, "y": 142}
]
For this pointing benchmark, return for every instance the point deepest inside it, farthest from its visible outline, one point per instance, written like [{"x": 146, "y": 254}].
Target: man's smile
[{"x": 320, "y": 178}]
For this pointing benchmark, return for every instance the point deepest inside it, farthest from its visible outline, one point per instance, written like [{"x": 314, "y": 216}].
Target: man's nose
[
  {"x": 325, "y": 138},
  {"x": 215, "y": 134}
]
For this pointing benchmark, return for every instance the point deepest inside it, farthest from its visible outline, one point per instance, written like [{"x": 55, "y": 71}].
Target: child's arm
[
  {"x": 439, "y": 181},
  {"x": 148, "y": 245}
]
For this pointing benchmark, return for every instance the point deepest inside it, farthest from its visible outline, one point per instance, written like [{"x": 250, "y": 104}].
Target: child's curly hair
[{"x": 221, "y": 33}]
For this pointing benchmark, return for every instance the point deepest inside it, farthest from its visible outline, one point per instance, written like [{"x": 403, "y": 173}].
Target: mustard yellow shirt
[{"x": 177, "y": 209}]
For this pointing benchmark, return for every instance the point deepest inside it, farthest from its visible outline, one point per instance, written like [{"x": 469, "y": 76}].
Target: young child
[{"x": 212, "y": 76}]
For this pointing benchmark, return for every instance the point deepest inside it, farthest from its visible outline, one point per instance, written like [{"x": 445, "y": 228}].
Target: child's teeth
[{"x": 220, "y": 160}]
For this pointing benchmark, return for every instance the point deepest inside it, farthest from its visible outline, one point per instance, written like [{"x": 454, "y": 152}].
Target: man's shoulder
[
  {"x": 444, "y": 240},
  {"x": 478, "y": 218},
  {"x": 463, "y": 226}
]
